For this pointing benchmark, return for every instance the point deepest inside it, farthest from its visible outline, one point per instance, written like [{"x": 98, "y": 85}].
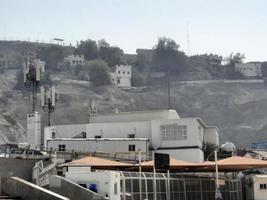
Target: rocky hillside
[{"x": 237, "y": 109}]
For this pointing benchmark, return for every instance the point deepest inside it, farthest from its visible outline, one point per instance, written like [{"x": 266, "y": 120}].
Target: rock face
[{"x": 237, "y": 109}]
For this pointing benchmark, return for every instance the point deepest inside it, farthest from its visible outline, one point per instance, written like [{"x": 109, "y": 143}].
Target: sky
[{"x": 198, "y": 26}]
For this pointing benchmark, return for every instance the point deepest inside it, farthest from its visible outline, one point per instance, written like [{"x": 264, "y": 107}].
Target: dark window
[
  {"x": 61, "y": 147},
  {"x": 131, "y": 136},
  {"x": 119, "y": 72},
  {"x": 128, "y": 72},
  {"x": 98, "y": 137},
  {"x": 263, "y": 186},
  {"x": 131, "y": 147},
  {"x": 118, "y": 81},
  {"x": 53, "y": 135},
  {"x": 123, "y": 72}
]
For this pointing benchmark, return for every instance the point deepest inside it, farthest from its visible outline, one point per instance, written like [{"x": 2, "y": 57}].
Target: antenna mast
[
  {"x": 32, "y": 75},
  {"x": 49, "y": 97}
]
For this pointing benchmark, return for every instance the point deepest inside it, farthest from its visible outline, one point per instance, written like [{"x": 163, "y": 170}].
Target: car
[{"x": 29, "y": 154}]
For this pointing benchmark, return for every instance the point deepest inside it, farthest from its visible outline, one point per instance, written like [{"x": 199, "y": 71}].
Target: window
[
  {"x": 98, "y": 137},
  {"x": 173, "y": 132},
  {"x": 53, "y": 135},
  {"x": 128, "y": 72},
  {"x": 263, "y": 186},
  {"x": 61, "y": 147},
  {"x": 115, "y": 188},
  {"x": 131, "y": 147},
  {"x": 131, "y": 135},
  {"x": 118, "y": 81},
  {"x": 119, "y": 72},
  {"x": 123, "y": 72}
]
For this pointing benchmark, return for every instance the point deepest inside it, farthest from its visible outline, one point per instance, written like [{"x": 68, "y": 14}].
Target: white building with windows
[
  {"x": 150, "y": 131},
  {"x": 74, "y": 60},
  {"x": 250, "y": 69},
  {"x": 122, "y": 76}
]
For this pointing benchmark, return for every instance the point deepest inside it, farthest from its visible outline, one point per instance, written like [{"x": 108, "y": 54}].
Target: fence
[{"x": 179, "y": 187}]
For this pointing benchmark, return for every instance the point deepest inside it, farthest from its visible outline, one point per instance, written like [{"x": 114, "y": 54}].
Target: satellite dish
[{"x": 228, "y": 146}]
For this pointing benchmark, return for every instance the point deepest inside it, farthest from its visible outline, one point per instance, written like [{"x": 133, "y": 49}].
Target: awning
[{"x": 97, "y": 163}]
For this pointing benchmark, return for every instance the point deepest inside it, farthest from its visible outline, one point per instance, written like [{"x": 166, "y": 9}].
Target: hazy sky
[{"x": 214, "y": 26}]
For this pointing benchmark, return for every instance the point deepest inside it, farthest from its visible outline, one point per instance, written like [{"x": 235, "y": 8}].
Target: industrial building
[{"x": 160, "y": 131}]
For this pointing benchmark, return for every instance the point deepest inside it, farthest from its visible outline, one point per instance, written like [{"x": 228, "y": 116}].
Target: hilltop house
[{"x": 122, "y": 76}]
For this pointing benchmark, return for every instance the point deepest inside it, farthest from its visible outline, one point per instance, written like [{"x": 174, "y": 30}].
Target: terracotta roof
[
  {"x": 97, "y": 162},
  {"x": 237, "y": 160}
]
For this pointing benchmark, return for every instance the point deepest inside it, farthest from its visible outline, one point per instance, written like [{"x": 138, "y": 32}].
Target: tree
[
  {"x": 232, "y": 59},
  {"x": 167, "y": 56},
  {"x": 87, "y": 48},
  {"x": 99, "y": 72},
  {"x": 137, "y": 78},
  {"x": 142, "y": 62},
  {"x": 52, "y": 55},
  {"x": 112, "y": 55}
]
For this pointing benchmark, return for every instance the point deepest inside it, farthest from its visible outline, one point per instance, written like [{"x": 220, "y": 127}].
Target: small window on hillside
[{"x": 98, "y": 137}]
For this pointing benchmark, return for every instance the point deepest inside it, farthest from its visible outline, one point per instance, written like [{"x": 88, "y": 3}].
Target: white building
[
  {"x": 34, "y": 130},
  {"x": 256, "y": 187},
  {"x": 74, "y": 60},
  {"x": 251, "y": 69},
  {"x": 105, "y": 183},
  {"x": 182, "y": 138},
  {"x": 122, "y": 76}
]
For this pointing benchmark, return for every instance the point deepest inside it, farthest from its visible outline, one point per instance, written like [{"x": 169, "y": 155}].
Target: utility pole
[{"x": 49, "y": 98}]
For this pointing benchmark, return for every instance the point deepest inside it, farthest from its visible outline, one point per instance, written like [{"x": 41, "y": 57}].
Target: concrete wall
[
  {"x": 71, "y": 190},
  {"x": 14, "y": 186},
  {"x": 99, "y": 145},
  {"x": 16, "y": 167}
]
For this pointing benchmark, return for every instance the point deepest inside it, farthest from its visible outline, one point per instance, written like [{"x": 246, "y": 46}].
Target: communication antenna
[
  {"x": 49, "y": 97},
  {"x": 32, "y": 69}
]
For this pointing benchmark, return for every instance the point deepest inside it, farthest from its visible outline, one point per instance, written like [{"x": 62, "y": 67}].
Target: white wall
[
  {"x": 249, "y": 69},
  {"x": 194, "y": 133},
  {"x": 100, "y": 145},
  {"x": 190, "y": 155},
  {"x": 34, "y": 130},
  {"x": 122, "y": 76},
  {"x": 105, "y": 181},
  {"x": 259, "y": 194}
]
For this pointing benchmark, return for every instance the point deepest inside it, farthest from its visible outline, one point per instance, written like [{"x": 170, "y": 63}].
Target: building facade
[
  {"x": 122, "y": 76},
  {"x": 74, "y": 60},
  {"x": 251, "y": 69},
  {"x": 166, "y": 132}
]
